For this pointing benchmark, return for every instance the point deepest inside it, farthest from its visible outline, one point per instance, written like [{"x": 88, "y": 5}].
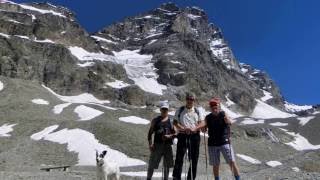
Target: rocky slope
[{"x": 65, "y": 92}]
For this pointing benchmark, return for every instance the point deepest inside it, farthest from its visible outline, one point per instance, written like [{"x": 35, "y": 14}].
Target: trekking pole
[
  {"x": 190, "y": 158},
  {"x": 205, "y": 152},
  {"x": 185, "y": 161},
  {"x": 162, "y": 171},
  {"x": 231, "y": 165},
  {"x": 231, "y": 159}
]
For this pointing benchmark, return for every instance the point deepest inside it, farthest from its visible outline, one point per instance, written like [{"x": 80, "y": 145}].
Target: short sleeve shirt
[{"x": 188, "y": 117}]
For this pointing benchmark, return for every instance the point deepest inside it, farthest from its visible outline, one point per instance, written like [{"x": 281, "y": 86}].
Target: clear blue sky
[{"x": 281, "y": 37}]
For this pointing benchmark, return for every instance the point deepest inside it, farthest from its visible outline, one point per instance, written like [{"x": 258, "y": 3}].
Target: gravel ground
[{"x": 21, "y": 158}]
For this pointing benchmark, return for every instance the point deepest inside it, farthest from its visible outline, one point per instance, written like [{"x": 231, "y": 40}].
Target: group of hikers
[{"x": 186, "y": 126}]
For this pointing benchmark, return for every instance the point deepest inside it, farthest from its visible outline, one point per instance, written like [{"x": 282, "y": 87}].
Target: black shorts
[{"x": 161, "y": 150}]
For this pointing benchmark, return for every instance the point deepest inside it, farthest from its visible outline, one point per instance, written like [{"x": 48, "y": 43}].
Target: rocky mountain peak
[
  {"x": 180, "y": 49},
  {"x": 170, "y": 6}
]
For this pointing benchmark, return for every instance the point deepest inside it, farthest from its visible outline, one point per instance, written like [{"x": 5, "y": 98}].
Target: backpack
[
  {"x": 161, "y": 131},
  {"x": 181, "y": 109}
]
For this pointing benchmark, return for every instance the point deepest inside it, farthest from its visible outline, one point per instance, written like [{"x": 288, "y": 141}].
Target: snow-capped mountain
[
  {"x": 57, "y": 80},
  {"x": 156, "y": 55}
]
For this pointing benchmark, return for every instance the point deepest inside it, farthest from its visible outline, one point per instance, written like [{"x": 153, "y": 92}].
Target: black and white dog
[{"x": 105, "y": 169}]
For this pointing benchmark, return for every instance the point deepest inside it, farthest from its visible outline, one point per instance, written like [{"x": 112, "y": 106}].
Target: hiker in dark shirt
[
  {"x": 219, "y": 131},
  {"x": 163, "y": 131}
]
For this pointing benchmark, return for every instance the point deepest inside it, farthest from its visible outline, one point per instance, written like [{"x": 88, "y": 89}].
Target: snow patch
[
  {"x": 98, "y": 38},
  {"x": 170, "y": 54},
  {"x": 296, "y": 108},
  {"x": 279, "y": 124},
  {"x": 84, "y": 144},
  {"x": 153, "y": 35},
  {"x": 41, "y": 11},
  {"x": 230, "y": 113},
  {"x": 45, "y": 41},
  {"x": 193, "y": 17},
  {"x": 249, "y": 121},
  {"x": 316, "y": 112},
  {"x": 6, "y": 129},
  {"x": 84, "y": 55},
  {"x": 134, "y": 120},
  {"x": 175, "y": 62},
  {"x": 86, "y": 64},
  {"x": 265, "y": 111},
  {"x": 144, "y": 174},
  {"x": 305, "y": 120},
  {"x": 295, "y": 169},
  {"x": 216, "y": 42},
  {"x": 140, "y": 69},
  {"x": 40, "y": 101},
  {"x": 33, "y": 17},
  {"x": 229, "y": 102},
  {"x": 23, "y": 37},
  {"x": 148, "y": 17},
  {"x": 300, "y": 143},
  {"x": 273, "y": 163},
  {"x": 5, "y": 35},
  {"x": 117, "y": 84},
  {"x": 152, "y": 41},
  {"x": 39, "y": 135},
  {"x": 266, "y": 96},
  {"x": 59, "y": 108},
  {"x": 14, "y": 21},
  {"x": 84, "y": 98},
  {"x": 1, "y": 86},
  {"x": 86, "y": 113},
  {"x": 244, "y": 70},
  {"x": 249, "y": 159},
  {"x": 197, "y": 8}
]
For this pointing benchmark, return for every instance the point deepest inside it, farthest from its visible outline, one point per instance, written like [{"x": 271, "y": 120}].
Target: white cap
[{"x": 164, "y": 104}]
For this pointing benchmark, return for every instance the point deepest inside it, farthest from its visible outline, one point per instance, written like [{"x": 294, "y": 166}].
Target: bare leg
[
  {"x": 216, "y": 171},
  {"x": 234, "y": 168}
]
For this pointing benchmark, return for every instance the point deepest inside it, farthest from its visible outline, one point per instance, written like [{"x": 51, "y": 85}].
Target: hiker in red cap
[{"x": 218, "y": 125}]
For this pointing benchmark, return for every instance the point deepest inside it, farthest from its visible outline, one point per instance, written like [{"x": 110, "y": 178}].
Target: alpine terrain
[{"x": 65, "y": 92}]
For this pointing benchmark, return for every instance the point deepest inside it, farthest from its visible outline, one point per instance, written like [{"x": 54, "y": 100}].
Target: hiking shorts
[
  {"x": 214, "y": 154},
  {"x": 161, "y": 150}
]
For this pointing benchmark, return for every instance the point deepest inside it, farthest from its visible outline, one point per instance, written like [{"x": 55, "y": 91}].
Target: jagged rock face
[
  {"x": 265, "y": 83},
  {"x": 34, "y": 46},
  {"x": 188, "y": 54},
  {"x": 59, "y": 26}
]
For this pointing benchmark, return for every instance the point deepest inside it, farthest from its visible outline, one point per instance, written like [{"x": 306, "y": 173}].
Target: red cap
[{"x": 214, "y": 101}]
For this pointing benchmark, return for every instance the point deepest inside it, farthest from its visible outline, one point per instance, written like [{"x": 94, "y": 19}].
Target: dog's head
[{"x": 100, "y": 157}]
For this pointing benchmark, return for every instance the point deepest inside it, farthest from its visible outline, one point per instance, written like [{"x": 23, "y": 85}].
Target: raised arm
[{"x": 227, "y": 120}]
